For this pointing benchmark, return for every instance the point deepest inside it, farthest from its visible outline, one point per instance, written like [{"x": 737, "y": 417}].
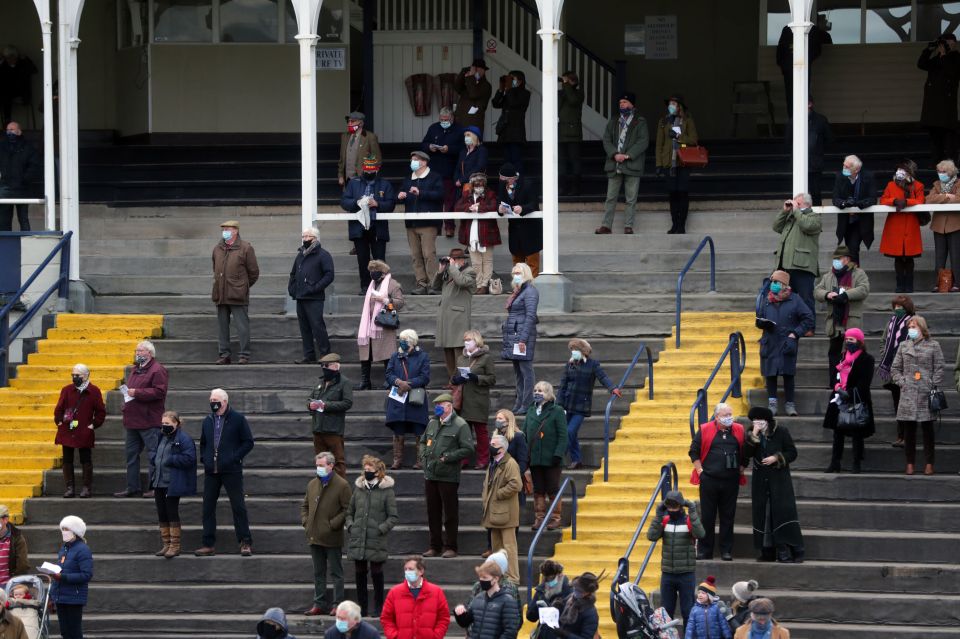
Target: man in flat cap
[
  {"x": 422, "y": 192},
  {"x": 235, "y": 270},
  {"x": 474, "y": 94},
  {"x": 328, "y": 405},
  {"x": 356, "y": 145},
  {"x": 445, "y": 443},
  {"x": 625, "y": 143}
]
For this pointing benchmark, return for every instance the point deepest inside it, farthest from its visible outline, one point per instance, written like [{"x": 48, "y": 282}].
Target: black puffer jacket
[
  {"x": 20, "y": 164},
  {"x": 311, "y": 274},
  {"x": 493, "y": 617}
]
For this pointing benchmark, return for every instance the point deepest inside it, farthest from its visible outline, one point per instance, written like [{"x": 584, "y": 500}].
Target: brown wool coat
[
  {"x": 501, "y": 508},
  {"x": 235, "y": 270},
  {"x": 944, "y": 221}
]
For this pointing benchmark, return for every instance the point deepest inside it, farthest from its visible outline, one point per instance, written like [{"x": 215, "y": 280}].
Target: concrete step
[
  {"x": 810, "y": 429},
  {"x": 814, "y": 401},
  {"x": 873, "y": 608}
]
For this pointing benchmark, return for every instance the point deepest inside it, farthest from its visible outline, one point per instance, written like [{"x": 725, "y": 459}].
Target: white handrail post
[
  {"x": 308, "y": 12},
  {"x": 800, "y": 25}
]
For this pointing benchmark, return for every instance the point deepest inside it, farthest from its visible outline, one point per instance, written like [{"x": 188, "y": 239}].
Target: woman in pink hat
[{"x": 854, "y": 373}]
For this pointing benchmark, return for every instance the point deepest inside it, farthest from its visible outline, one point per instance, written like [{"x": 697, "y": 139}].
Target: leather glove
[
  {"x": 849, "y": 202},
  {"x": 457, "y": 380},
  {"x": 899, "y": 204},
  {"x": 473, "y": 378},
  {"x": 842, "y": 204},
  {"x": 661, "y": 511},
  {"x": 557, "y": 461}
]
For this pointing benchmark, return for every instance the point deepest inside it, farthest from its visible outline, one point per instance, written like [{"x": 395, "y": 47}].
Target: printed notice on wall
[
  {"x": 633, "y": 39},
  {"x": 661, "y": 38},
  {"x": 331, "y": 58}
]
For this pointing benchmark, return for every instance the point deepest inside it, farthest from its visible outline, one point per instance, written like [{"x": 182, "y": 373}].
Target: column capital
[{"x": 312, "y": 38}]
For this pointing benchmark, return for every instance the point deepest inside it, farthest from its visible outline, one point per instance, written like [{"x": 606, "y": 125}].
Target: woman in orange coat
[{"x": 901, "y": 232}]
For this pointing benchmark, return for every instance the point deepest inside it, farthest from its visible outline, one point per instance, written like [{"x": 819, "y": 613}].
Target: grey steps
[
  {"x": 809, "y": 429},
  {"x": 887, "y": 488},
  {"x": 872, "y": 608},
  {"x": 814, "y": 401}
]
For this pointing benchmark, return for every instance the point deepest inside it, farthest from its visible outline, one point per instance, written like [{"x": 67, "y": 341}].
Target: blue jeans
[
  {"x": 573, "y": 443},
  {"x": 674, "y": 585}
]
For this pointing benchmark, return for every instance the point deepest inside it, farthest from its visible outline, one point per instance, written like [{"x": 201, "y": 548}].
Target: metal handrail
[
  {"x": 668, "y": 481},
  {"x": 737, "y": 351},
  {"x": 643, "y": 348},
  {"x": 9, "y": 333},
  {"x": 543, "y": 525},
  {"x": 683, "y": 272}
]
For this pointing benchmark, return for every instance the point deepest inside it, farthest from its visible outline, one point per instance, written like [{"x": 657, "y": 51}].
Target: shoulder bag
[
  {"x": 387, "y": 317},
  {"x": 937, "y": 401},
  {"x": 695, "y": 157},
  {"x": 415, "y": 396}
]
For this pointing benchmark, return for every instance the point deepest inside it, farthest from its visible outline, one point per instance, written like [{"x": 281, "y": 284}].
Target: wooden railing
[{"x": 423, "y": 15}]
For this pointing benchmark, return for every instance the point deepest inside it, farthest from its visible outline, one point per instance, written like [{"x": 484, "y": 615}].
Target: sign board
[
  {"x": 661, "y": 38},
  {"x": 331, "y": 58},
  {"x": 491, "y": 45},
  {"x": 634, "y": 39}
]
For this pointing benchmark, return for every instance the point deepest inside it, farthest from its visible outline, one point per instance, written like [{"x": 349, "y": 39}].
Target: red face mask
[{"x": 353, "y": 128}]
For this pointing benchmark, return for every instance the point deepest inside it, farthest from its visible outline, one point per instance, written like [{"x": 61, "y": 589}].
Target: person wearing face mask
[
  {"x": 368, "y": 234},
  {"x": 225, "y": 439},
  {"x": 323, "y": 514},
  {"x": 328, "y": 406},
  {"x": 843, "y": 289},
  {"x": 80, "y": 410},
  {"x": 20, "y": 165},
  {"x": 480, "y": 236},
  {"x": 519, "y": 333},
  {"x": 894, "y": 334},
  {"x": 415, "y": 608},
  {"x": 505, "y": 423},
  {"x": 578, "y": 615},
  {"x": 553, "y": 590},
  {"x": 349, "y": 624},
  {"x": 444, "y": 445},
  {"x": 678, "y": 532},
  {"x": 901, "y": 231},
  {"x": 575, "y": 394},
  {"x": 798, "y": 247},
  {"x": 493, "y": 613},
  {"x": 68, "y": 590},
  {"x": 917, "y": 369},
  {"x": 147, "y": 384},
  {"x": 422, "y": 192},
  {"x": 356, "y": 144},
  {"x": 273, "y": 625},
  {"x": 473, "y": 158},
  {"x": 500, "y": 507},
  {"x": 761, "y": 623},
  {"x": 310, "y": 276},
  {"x": 946, "y": 228},
  {"x": 625, "y": 142},
  {"x": 235, "y": 271},
  {"x": 784, "y": 318},
  {"x": 718, "y": 464},
  {"x": 675, "y": 130},
  {"x": 444, "y": 141},
  {"x": 512, "y": 99},
  {"x": 853, "y": 377},
  {"x": 473, "y": 389},
  {"x": 456, "y": 280},
  {"x": 377, "y": 343},
  {"x": 174, "y": 476},
  {"x": 370, "y": 518},
  {"x": 474, "y": 93},
  {"x": 545, "y": 428},
  {"x": 408, "y": 369},
  {"x": 770, "y": 450},
  {"x": 853, "y": 189},
  {"x": 570, "y": 133},
  {"x": 517, "y": 197}
]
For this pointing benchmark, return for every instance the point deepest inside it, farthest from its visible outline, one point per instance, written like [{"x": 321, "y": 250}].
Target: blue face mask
[
  {"x": 576, "y": 356},
  {"x": 414, "y": 165},
  {"x": 672, "y": 109},
  {"x": 913, "y": 333},
  {"x": 445, "y": 124},
  {"x": 517, "y": 280},
  {"x": 944, "y": 177},
  {"x": 404, "y": 346},
  {"x": 538, "y": 398},
  {"x": 626, "y": 112},
  {"x": 515, "y": 84},
  {"x": 342, "y": 625},
  {"x": 226, "y": 235},
  {"x": 468, "y": 140},
  {"x": 846, "y": 172},
  {"x": 438, "y": 411},
  {"x": 411, "y": 576},
  {"x": 838, "y": 265},
  {"x": 322, "y": 471},
  {"x": 553, "y": 582},
  {"x": 776, "y": 287}
]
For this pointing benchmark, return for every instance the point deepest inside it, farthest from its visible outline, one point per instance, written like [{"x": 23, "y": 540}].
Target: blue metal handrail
[
  {"x": 668, "y": 481},
  {"x": 543, "y": 525},
  {"x": 737, "y": 351},
  {"x": 9, "y": 333},
  {"x": 643, "y": 348},
  {"x": 683, "y": 272}
]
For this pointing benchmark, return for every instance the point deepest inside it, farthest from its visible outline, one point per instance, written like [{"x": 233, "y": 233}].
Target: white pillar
[
  {"x": 308, "y": 12},
  {"x": 800, "y": 25},
  {"x": 49, "y": 188},
  {"x": 68, "y": 17},
  {"x": 550, "y": 40}
]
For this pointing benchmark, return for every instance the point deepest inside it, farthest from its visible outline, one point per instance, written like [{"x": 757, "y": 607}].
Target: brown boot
[
  {"x": 174, "y": 549},
  {"x": 165, "y": 537},
  {"x": 87, "y": 490},
  {"x": 68, "y": 491},
  {"x": 539, "y": 509},
  {"x": 397, "y": 453},
  {"x": 555, "y": 516}
]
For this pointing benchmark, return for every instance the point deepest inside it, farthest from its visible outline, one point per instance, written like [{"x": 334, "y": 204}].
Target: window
[
  {"x": 888, "y": 21},
  {"x": 131, "y": 23},
  {"x": 935, "y": 18},
  {"x": 868, "y": 21},
  {"x": 840, "y": 20},
  {"x": 183, "y": 21},
  {"x": 778, "y": 17},
  {"x": 329, "y": 27},
  {"x": 249, "y": 21}
]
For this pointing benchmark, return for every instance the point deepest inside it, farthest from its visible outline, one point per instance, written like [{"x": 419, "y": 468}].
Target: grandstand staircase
[{"x": 901, "y": 584}]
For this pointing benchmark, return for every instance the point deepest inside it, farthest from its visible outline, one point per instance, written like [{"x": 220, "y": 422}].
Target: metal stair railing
[
  {"x": 737, "y": 352},
  {"x": 568, "y": 482},
  {"x": 9, "y": 333},
  {"x": 707, "y": 240},
  {"x": 668, "y": 481},
  {"x": 642, "y": 349}
]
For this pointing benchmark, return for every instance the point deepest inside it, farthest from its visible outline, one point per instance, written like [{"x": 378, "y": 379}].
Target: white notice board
[
  {"x": 331, "y": 58},
  {"x": 661, "y": 37}
]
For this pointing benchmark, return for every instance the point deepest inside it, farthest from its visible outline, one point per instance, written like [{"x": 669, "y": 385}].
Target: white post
[
  {"x": 49, "y": 188},
  {"x": 801, "y": 26},
  {"x": 308, "y": 12},
  {"x": 550, "y": 38},
  {"x": 68, "y": 17}
]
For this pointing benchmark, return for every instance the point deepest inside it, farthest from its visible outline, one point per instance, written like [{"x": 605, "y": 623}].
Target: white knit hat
[
  {"x": 742, "y": 589},
  {"x": 74, "y": 524},
  {"x": 500, "y": 558}
]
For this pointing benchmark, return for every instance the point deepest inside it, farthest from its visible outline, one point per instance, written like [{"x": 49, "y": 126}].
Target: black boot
[
  {"x": 362, "y": 591},
  {"x": 673, "y": 212},
  {"x": 68, "y": 482},
  {"x": 364, "y": 377},
  {"x": 682, "y": 209},
  {"x": 377, "y": 593}
]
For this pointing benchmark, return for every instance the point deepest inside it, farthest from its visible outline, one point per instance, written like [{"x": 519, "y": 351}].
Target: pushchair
[
  {"x": 32, "y": 609},
  {"x": 636, "y": 618}
]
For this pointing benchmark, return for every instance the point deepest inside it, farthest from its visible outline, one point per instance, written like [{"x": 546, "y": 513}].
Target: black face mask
[
  {"x": 369, "y": 177},
  {"x": 376, "y": 276},
  {"x": 329, "y": 374},
  {"x": 369, "y": 475},
  {"x": 852, "y": 347},
  {"x": 307, "y": 243},
  {"x": 168, "y": 430},
  {"x": 215, "y": 406},
  {"x": 486, "y": 584},
  {"x": 139, "y": 360},
  {"x": 77, "y": 381},
  {"x": 675, "y": 514}
]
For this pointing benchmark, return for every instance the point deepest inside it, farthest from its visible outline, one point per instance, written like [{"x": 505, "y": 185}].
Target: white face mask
[
  {"x": 727, "y": 421},
  {"x": 67, "y": 535},
  {"x": 469, "y": 344}
]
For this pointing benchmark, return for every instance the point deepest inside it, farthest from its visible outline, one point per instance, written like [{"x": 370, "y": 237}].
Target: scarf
[
  {"x": 368, "y": 328},
  {"x": 475, "y": 231},
  {"x": 947, "y": 187},
  {"x": 846, "y": 363},
  {"x": 314, "y": 245},
  {"x": 82, "y": 387},
  {"x": 759, "y": 632},
  {"x": 513, "y": 296},
  {"x": 776, "y": 299},
  {"x": 896, "y": 333},
  {"x": 672, "y": 121},
  {"x": 841, "y": 312},
  {"x": 573, "y": 607}
]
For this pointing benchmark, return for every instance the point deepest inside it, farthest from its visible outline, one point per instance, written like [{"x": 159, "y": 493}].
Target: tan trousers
[
  {"x": 483, "y": 265},
  {"x": 533, "y": 261},
  {"x": 506, "y": 538},
  {"x": 423, "y": 251}
]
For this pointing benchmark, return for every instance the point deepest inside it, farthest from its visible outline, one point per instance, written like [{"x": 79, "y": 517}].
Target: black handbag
[
  {"x": 937, "y": 400},
  {"x": 387, "y": 317},
  {"x": 854, "y": 416}
]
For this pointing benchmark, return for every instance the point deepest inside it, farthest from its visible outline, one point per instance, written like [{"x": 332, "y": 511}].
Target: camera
[
  {"x": 788, "y": 204},
  {"x": 444, "y": 260}
]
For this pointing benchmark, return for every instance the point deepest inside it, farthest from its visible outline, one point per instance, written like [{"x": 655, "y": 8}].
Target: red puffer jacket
[{"x": 426, "y": 617}]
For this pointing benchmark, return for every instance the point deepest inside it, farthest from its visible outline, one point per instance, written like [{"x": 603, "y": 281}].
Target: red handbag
[{"x": 695, "y": 157}]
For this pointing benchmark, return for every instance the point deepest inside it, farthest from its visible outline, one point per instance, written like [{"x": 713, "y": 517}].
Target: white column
[
  {"x": 800, "y": 25},
  {"x": 49, "y": 188},
  {"x": 308, "y": 12},
  {"x": 550, "y": 38}
]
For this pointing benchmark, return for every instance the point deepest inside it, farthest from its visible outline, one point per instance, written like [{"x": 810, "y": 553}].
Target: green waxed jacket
[
  {"x": 443, "y": 446},
  {"x": 546, "y": 433},
  {"x": 799, "y": 244}
]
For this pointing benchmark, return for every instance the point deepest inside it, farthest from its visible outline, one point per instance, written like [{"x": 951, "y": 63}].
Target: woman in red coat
[
  {"x": 901, "y": 232},
  {"x": 482, "y": 236},
  {"x": 79, "y": 410},
  {"x": 416, "y": 608}
]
